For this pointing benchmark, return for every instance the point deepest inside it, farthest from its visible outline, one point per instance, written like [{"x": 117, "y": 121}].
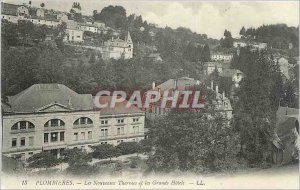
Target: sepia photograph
[{"x": 141, "y": 94}]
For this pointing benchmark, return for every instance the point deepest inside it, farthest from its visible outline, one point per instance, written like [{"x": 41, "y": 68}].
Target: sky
[{"x": 204, "y": 17}]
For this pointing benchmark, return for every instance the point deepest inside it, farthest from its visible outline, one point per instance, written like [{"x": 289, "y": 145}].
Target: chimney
[
  {"x": 153, "y": 85},
  {"x": 175, "y": 83},
  {"x": 217, "y": 89},
  {"x": 69, "y": 101},
  {"x": 223, "y": 95},
  {"x": 212, "y": 85},
  {"x": 112, "y": 38}
]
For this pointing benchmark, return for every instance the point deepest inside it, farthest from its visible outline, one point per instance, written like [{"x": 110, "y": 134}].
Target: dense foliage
[
  {"x": 43, "y": 160},
  {"x": 193, "y": 141},
  {"x": 277, "y": 36}
]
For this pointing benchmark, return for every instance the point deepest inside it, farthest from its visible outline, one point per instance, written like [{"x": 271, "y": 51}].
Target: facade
[
  {"x": 222, "y": 103},
  {"x": 74, "y": 35},
  {"x": 180, "y": 84},
  {"x": 210, "y": 67},
  {"x": 221, "y": 57},
  {"x": 259, "y": 45},
  {"x": 120, "y": 124},
  {"x": 118, "y": 48},
  {"x": 52, "y": 117},
  {"x": 239, "y": 44}
]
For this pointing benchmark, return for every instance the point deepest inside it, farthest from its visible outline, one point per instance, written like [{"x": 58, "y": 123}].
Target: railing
[
  {"x": 54, "y": 128},
  {"x": 22, "y": 131},
  {"x": 121, "y": 136},
  {"x": 83, "y": 126}
]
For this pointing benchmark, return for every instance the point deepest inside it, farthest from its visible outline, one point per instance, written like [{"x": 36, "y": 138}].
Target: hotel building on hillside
[
  {"x": 118, "y": 48},
  {"x": 52, "y": 117}
]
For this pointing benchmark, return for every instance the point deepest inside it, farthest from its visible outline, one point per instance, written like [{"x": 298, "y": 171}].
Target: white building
[
  {"x": 210, "y": 67},
  {"x": 221, "y": 57},
  {"x": 52, "y": 117},
  {"x": 239, "y": 44},
  {"x": 118, "y": 48}
]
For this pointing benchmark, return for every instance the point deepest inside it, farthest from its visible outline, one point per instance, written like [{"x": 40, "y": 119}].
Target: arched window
[
  {"x": 22, "y": 125},
  {"x": 83, "y": 121},
  {"x": 55, "y": 123}
]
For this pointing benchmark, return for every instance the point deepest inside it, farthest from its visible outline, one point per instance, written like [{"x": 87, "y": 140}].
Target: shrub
[
  {"x": 133, "y": 164},
  {"x": 128, "y": 147},
  {"x": 104, "y": 151}
]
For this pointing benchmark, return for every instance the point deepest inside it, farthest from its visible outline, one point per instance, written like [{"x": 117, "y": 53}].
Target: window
[
  {"x": 46, "y": 137},
  {"x": 54, "y": 136},
  {"x": 30, "y": 125},
  {"x": 54, "y": 123},
  {"x": 30, "y": 141},
  {"x": 135, "y": 129},
  {"x": 83, "y": 121},
  {"x": 62, "y": 136},
  {"x": 104, "y": 132},
  {"x": 15, "y": 127},
  {"x": 135, "y": 119},
  {"x": 82, "y": 135},
  {"x": 14, "y": 142},
  {"x": 23, "y": 141},
  {"x": 120, "y": 120},
  {"x": 104, "y": 122},
  {"x": 75, "y": 136},
  {"x": 90, "y": 135},
  {"x": 103, "y": 142},
  {"x": 23, "y": 125},
  {"x": 30, "y": 153},
  {"x": 120, "y": 131}
]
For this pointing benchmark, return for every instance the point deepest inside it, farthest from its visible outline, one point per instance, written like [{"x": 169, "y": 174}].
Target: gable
[{"x": 54, "y": 108}]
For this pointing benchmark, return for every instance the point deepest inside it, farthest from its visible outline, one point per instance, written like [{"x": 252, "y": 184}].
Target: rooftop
[
  {"x": 40, "y": 97},
  {"x": 230, "y": 72},
  {"x": 120, "y": 107}
]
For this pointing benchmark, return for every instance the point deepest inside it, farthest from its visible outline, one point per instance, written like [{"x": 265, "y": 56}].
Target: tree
[
  {"x": 257, "y": 106},
  {"x": 112, "y": 16},
  {"x": 193, "y": 141},
  {"x": 78, "y": 162},
  {"x": 127, "y": 147},
  {"x": 42, "y": 160},
  {"x": 227, "y": 42},
  {"x": 49, "y": 61},
  {"x": 104, "y": 151},
  {"x": 243, "y": 31}
]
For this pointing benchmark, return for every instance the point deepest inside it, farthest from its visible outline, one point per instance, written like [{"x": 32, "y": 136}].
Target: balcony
[
  {"x": 83, "y": 126},
  {"x": 54, "y": 128},
  {"x": 51, "y": 145},
  {"x": 23, "y": 131},
  {"x": 123, "y": 136}
]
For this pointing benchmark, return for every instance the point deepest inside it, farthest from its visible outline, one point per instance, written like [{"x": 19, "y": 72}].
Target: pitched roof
[
  {"x": 286, "y": 119},
  {"x": 39, "y": 96},
  {"x": 212, "y": 64},
  {"x": 230, "y": 72},
  {"x": 287, "y": 111},
  {"x": 9, "y": 9},
  {"x": 177, "y": 83},
  {"x": 120, "y": 107},
  {"x": 154, "y": 55}
]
